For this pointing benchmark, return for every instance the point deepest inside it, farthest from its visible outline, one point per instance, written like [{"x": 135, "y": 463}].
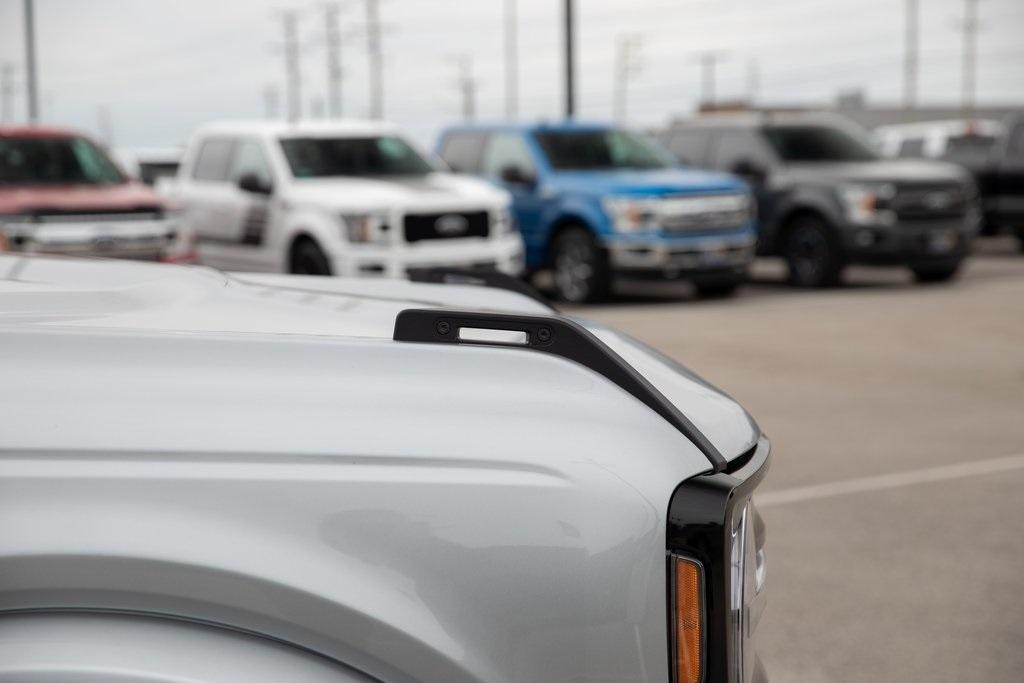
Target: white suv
[{"x": 348, "y": 198}]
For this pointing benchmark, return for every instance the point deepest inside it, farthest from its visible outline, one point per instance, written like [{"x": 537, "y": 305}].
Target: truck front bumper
[
  {"x": 908, "y": 242},
  {"x": 504, "y": 253},
  {"x": 144, "y": 239},
  {"x": 641, "y": 256}
]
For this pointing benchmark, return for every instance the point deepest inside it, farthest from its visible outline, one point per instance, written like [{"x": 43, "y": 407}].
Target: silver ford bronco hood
[{"x": 63, "y": 293}]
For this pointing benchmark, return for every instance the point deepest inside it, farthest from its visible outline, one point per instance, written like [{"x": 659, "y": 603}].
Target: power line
[
  {"x": 374, "y": 59},
  {"x": 708, "y": 63},
  {"x": 970, "y": 55},
  {"x": 332, "y": 44},
  {"x": 912, "y": 20},
  {"x": 6, "y": 92},
  {"x": 31, "y": 84},
  {"x": 467, "y": 86},
  {"x": 627, "y": 63},
  {"x": 511, "y": 61},
  {"x": 570, "y": 60},
  {"x": 292, "y": 67}
]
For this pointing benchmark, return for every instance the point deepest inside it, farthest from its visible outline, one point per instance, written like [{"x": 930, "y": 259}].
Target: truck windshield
[
  {"x": 372, "y": 156},
  {"x": 55, "y": 161},
  {"x": 599, "y": 150},
  {"x": 818, "y": 143}
]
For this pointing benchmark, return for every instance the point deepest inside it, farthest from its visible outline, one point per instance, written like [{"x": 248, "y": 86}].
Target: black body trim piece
[
  {"x": 700, "y": 521},
  {"x": 479, "y": 277},
  {"x": 557, "y": 336}
]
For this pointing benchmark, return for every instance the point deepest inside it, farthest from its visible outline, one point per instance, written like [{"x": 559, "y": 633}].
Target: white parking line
[{"x": 890, "y": 481}]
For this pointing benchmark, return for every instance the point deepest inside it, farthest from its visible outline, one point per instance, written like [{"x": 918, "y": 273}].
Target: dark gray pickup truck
[{"x": 826, "y": 198}]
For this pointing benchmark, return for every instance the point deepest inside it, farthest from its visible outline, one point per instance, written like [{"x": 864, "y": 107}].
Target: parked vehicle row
[{"x": 588, "y": 203}]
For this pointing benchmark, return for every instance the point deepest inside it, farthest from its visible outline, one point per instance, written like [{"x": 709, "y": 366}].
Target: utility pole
[
  {"x": 626, "y": 64},
  {"x": 753, "y": 80},
  {"x": 31, "y": 85},
  {"x": 374, "y": 58},
  {"x": 105, "y": 125},
  {"x": 467, "y": 86},
  {"x": 332, "y": 37},
  {"x": 910, "y": 54},
  {"x": 271, "y": 99},
  {"x": 970, "y": 55},
  {"x": 570, "y": 61},
  {"x": 292, "y": 66},
  {"x": 6, "y": 92},
  {"x": 511, "y": 61},
  {"x": 708, "y": 62}
]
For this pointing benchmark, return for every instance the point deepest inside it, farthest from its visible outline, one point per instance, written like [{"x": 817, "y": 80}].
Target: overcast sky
[{"x": 161, "y": 67}]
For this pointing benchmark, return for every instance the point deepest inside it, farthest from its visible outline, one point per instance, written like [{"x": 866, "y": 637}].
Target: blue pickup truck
[{"x": 596, "y": 201}]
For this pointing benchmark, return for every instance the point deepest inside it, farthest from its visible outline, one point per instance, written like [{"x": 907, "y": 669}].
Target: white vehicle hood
[
  {"x": 62, "y": 294},
  {"x": 434, "y": 191}
]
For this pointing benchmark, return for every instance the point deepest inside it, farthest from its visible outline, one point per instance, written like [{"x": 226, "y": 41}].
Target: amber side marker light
[{"x": 687, "y": 620}]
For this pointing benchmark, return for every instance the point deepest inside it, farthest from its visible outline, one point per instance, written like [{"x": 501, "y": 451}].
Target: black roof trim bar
[
  {"x": 481, "y": 277},
  {"x": 557, "y": 336}
]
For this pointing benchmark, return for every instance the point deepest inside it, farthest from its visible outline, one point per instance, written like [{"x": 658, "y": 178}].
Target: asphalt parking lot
[{"x": 895, "y": 504}]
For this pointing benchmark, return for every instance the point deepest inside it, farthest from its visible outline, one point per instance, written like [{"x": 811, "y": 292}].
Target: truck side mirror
[
  {"x": 750, "y": 171},
  {"x": 252, "y": 183},
  {"x": 515, "y": 175}
]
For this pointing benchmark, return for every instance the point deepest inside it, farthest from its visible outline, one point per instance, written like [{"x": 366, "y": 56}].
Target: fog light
[
  {"x": 864, "y": 238},
  {"x": 688, "y": 620}
]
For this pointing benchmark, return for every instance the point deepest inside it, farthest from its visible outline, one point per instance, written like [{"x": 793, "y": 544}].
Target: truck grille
[
  {"x": 703, "y": 214},
  {"x": 914, "y": 202},
  {"x": 440, "y": 226}
]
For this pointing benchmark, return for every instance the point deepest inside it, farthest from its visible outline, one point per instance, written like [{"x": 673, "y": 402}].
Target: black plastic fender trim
[{"x": 557, "y": 336}]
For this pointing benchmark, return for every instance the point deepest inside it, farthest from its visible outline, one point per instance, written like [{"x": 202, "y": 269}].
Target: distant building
[{"x": 854, "y": 105}]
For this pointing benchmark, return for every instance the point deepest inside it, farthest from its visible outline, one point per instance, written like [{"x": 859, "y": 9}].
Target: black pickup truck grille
[{"x": 440, "y": 226}]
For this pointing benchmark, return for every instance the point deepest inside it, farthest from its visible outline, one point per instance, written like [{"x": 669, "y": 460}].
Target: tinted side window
[
  {"x": 1016, "y": 146},
  {"x": 734, "y": 146},
  {"x": 691, "y": 146},
  {"x": 213, "y": 160},
  {"x": 461, "y": 151},
  {"x": 249, "y": 159},
  {"x": 504, "y": 150},
  {"x": 911, "y": 147}
]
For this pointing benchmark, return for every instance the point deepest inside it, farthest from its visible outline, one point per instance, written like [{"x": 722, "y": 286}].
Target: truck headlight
[
  {"x": 365, "y": 228},
  {"x": 629, "y": 214},
  {"x": 504, "y": 221},
  {"x": 864, "y": 204},
  {"x": 748, "y": 574}
]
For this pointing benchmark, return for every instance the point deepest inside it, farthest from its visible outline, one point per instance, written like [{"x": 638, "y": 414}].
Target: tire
[
  {"x": 580, "y": 267},
  {"x": 812, "y": 253},
  {"x": 717, "y": 288},
  {"x": 308, "y": 259},
  {"x": 934, "y": 274}
]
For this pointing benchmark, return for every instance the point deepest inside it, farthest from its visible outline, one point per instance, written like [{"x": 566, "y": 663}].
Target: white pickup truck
[{"x": 340, "y": 198}]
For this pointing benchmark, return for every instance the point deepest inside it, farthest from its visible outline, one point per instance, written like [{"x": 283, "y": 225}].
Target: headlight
[
  {"x": 365, "y": 228},
  {"x": 504, "y": 221},
  {"x": 863, "y": 203},
  {"x": 748, "y": 572},
  {"x": 629, "y": 214}
]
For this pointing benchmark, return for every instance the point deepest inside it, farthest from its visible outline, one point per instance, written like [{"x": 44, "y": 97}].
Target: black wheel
[
  {"x": 943, "y": 273},
  {"x": 308, "y": 259},
  {"x": 580, "y": 267},
  {"x": 812, "y": 253},
  {"x": 717, "y": 288}
]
